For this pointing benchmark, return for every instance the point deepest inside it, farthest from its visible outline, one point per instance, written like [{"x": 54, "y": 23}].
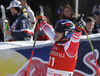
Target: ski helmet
[{"x": 65, "y": 26}]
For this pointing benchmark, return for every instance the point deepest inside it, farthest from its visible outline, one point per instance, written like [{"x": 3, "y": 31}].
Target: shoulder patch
[{"x": 23, "y": 23}]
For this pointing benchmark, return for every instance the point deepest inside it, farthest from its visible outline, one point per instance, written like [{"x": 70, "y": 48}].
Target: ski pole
[
  {"x": 3, "y": 17},
  {"x": 32, "y": 52},
  {"x": 41, "y": 11},
  {"x": 92, "y": 50},
  {"x": 6, "y": 25}
]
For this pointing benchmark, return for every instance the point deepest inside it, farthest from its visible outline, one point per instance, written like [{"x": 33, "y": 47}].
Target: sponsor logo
[
  {"x": 62, "y": 55},
  {"x": 23, "y": 23},
  {"x": 38, "y": 68},
  {"x": 89, "y": 61}
]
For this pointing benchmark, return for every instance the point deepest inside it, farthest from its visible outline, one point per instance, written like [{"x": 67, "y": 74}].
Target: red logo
[
  {"x": 38, "y": 68},
  {"x": 90, "y": 62}
]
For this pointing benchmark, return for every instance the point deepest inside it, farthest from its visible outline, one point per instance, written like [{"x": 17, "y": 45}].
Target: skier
[{"x": 65, "y": 38}]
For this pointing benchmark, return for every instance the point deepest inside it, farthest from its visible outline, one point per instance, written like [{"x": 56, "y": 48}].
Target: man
[
  {"x": 20, "y": 29},
  {"x": 95, "y": 8},
  {"x": 97, "y": 22},
  {"x": 65, "y": 39},
  {"x": 28, "y": 11},
  {"x": 89, "y": 25},
  {"x": 96, "y": 16}
]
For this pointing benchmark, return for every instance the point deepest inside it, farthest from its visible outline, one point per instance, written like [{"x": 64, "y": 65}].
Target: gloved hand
[
  {"x": 80, "y": 24},
  {"x": 40, "y": 14},
  {"x": 39, "y": 18}
]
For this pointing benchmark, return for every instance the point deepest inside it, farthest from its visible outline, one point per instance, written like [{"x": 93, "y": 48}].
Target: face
[
  {"x": 58, "y": 36},
  {"x": 67, "y": 12},
  {"x": 12, "y": 11},
  {"x": 90, "y": 26},
  {"x": 97, "y": 19}
]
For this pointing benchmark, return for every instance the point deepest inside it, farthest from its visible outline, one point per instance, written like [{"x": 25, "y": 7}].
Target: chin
[{"x": 55, "y": 39}]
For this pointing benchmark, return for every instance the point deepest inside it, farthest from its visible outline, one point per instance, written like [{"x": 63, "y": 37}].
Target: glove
[
  {"x": 80, "y": 24},
  {"x": 39, "y": 18},
  {"x": 40, "y": 14}
]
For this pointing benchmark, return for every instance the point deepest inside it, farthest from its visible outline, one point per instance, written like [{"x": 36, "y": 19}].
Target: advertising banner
[{"x": 15, "y": 57}]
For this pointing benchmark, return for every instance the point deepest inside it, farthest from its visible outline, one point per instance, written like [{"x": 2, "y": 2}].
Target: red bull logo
[
  {"x": 89, "y": 61},
  {"x": 38, "y": 68}
]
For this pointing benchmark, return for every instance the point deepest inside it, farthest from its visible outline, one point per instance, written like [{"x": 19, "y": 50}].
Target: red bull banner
[{"x": 15, "y": 57}]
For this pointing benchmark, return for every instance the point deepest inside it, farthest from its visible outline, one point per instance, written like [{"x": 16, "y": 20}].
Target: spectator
[
  {"x": 97, "y": 22},
  {"x": 30, "y": 14},
  {"x": 68, "y": 13},
  {"x": 95, "y": 8},
  {"x": 96, "y": 16},
  {"x": 89, "y": 25},
  {"x": 20, "y": 29}
]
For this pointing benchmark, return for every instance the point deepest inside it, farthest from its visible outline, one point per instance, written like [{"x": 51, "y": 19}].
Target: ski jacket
[
  {"x": 21, "y": 28},
  {"x": 63, "y": 56}
]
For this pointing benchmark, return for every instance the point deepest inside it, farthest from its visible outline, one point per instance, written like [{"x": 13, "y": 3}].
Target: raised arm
[
  {"x": 30, "y": 13},
  {"x": 72, "y": 47},
  {"x": 47, "y": 28}
]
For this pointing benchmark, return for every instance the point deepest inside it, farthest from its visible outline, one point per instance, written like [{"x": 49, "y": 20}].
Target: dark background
[{"x": 50, "y": 6}]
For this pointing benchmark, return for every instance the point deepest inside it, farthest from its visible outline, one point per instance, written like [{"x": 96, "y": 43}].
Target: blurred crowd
[
  {"x": 92, "y": 22},
  {"x": 23, "y": 25}
]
